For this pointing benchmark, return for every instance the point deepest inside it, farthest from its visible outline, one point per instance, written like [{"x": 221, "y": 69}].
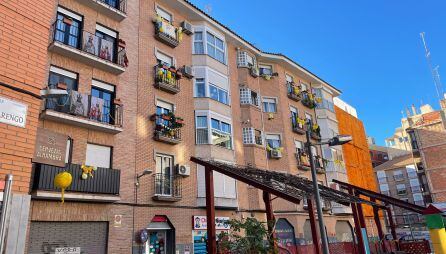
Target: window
[
  {"x": 106, "y": 94},
  {"x": 68, "y": 27},
  {"x": 382, "y": 178},
  {"x": 163, "y": 108},
  {"x": 98, "y": 156},
  {"x": 215, "y": 47},
  {"x": 299, "y": 146},
  {"x": 200, "y": 87},
  {"x": 418, "y": 199},
  {"x": 164, "y": 14},
  {"x": 398, "y": 175},
  {"x": 401, "y": 189},
  {"x": 415, "y": 185},
  {"x": 266, "y": 69},
  {"x": 218, "y": 94},
  {"x": 411, "y": 171},
  {"x": 247, "y": 96},
  {"x": 269, "y": 105},
  {"x": 304, "y": 86},
  {"x": 252, "y": 136},
  {"x": 221, "y": 133},
  {"x": 294, "y": 116},
  {"x": 198, "y": 43},
  {"x": 56, "y": 76},
  {"x": 69, "y": 150},
  {"x": 202, "y": 130},
  {"x": 289, "y": 79},
  {"x": 384, "y": 187},
  {"x": 164, "y": 175},
  {"x": 164, "y": 59},
  {"x": 107, "y": 43},
  {"x": 309, "y": 118},
  {"x": 273, "y": 140}
]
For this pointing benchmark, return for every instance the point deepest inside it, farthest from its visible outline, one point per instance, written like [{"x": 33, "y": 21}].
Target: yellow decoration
[
  {"x": 315, "y": 126},
  {"x": 266, "y": 77},
  {"x": 270, "y": 116},
  {"x": 269, "y": 148},
  {"x": 180, "y": 34},
  {"x": 310, "y": 96},
  {"x": 438, "y": 238},
  {"x": 160, "y": 73},
  {"x": 300, "y": 121},
  {"x": 318, "y": 99},
  {"x": 169, "y": 75},
  {"x": 296, "y": 90},
  {"x": 63, "y": 180},
  {"x": 87, "y": 171}
]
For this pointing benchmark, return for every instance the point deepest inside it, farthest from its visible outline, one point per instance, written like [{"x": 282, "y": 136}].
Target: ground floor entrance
[{"x": 75, "y": 237}]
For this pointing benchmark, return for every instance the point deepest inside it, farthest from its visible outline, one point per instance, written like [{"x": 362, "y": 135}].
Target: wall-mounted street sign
[
  {"x": 68, "y": 250},
  {"x": 13, "y": 112},
  {"x": 50, "y": 148}
]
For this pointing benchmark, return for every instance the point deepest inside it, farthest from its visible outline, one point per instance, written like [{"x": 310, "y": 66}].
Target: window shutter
[
  {"x": 98, "y": 156},
  {"x": 201, "y": 182}
]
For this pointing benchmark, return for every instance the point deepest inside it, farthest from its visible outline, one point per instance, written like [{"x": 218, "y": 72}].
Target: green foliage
[{"x": 248, "y": 236}]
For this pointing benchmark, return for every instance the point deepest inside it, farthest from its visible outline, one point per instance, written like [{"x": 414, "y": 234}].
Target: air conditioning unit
[
  {"x": 183, "y": 170},
  {"x": 187, "y": 72},
  {"x": 187, "y": 27},
  {"x": 275, "y": 154}
]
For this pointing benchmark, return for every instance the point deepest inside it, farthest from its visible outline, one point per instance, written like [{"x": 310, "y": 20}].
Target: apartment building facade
[
  {"x": 148, "y": 85},
  {"x": 400, "y": 179}
]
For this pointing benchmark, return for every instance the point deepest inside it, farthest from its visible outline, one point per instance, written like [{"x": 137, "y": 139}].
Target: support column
[
  {"x": 363, "y": 229},
  {"x": 391, "y": 222},
  {"x": 358, "y": 231},
  {"x": 377, "y": 220},
  {"x": 269, "y": 217},
  {"x": 314, "y": 233},
  {"x": 210, "y": 212}
]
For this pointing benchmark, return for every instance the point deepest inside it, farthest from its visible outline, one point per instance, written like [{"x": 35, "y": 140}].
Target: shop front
[
  {"x": 160, "y": 236},
  {"x": 199, "y": 233}
]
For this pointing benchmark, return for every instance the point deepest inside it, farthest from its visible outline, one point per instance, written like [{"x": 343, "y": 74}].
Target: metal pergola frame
[{"x": 286, "y": 186}]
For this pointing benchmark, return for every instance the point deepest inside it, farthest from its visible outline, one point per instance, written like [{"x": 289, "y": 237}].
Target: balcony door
[
  {"x": 61, "y": 76},
  {"x": 67, "y": 28},
  {"x": 164, "y": 175},
  {"x": 106, "y": 93}
]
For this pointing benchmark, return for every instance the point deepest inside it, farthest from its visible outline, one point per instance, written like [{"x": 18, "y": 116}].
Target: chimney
[{"x": 414, "y": 110}]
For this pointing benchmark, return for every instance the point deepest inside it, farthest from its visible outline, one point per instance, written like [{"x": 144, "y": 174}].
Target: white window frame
[
  {"x": 164, "y": 14},
  {"x": 209, "y": 115},
  {"x": 63, "y": 72},
  {"x": 160, "y": 54},
  {"x": 289, "y": 78},
  {"x": 249, "y": 136},
  {"x": 196, "y": 90},
  {"x": 106, "y": 31},
  {"x": 206, "y": 77},
  {"x": 69, "y": 13},
  {"x": 269, "y": 100},
  {"x": 273, "y": 136},
  {"x": 246, "y": 97},
  {"x": 87, "y": 160},
  {"x": 266, "y": 66},
  {"x": 205, "y": 30}
]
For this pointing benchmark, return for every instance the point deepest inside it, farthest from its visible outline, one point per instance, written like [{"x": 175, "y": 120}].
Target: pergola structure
[{"x": 283, "y": 185}]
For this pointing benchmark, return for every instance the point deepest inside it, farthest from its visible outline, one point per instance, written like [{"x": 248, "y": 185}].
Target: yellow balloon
[{"x": 63, "y": 180}]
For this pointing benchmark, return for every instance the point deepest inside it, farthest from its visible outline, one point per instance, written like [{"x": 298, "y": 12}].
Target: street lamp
[
  {"x": 335, "y": 141},
  {"x": 145, "y": 172}
]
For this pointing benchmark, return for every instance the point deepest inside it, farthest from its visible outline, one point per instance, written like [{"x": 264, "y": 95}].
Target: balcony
[
  {"x": 293, "y": 91},
  {"x": 303, "y": 163},
  {"x": 316, "y": 132},
  {"x": 167, "y": 79},
  {"x": 115, "y": 9},
  {"x": 298, "y": 125},
  {"x": 85, "y": 111},
  {"x": 168, "y": 188},
  {"x": 167, "y": 128},
  {"x": 166, "y": 32},
  {"x": 319, "y": 164},
  {"x": 103, "y": 187},
  {"x": 93, "y": 50},
  {"x": 308, "y": 99}
]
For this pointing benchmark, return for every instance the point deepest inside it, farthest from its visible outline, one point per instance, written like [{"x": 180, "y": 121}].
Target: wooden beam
[
  {"x": 314, "y": 233},
  {"x": 210, "y": 212}
]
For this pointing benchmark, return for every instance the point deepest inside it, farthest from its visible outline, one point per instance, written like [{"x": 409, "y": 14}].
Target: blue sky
[{"x": 371, "y": 50}]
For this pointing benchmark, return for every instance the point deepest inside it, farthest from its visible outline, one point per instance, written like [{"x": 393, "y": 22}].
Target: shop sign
[
  {"x": 50, "y": 148},
  {"x": 200, "y": 223},
  {"x": 12, "y": 112},
  {"x": 68, "y": 250}
]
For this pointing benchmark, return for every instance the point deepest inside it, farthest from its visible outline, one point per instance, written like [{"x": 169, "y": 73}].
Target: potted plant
[
  {"x": 172, "y": 69},
  {"x": 121, "y": 43},
  {"x": 179, "y": 120},
  {"x": 166, "y": 117},
  {"x": 62, "y": 86},
  {"x": 117, "y": 101},
  {"x": 67, "y": 21}
]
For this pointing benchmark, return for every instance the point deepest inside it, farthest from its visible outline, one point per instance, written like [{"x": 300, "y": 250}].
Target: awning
[{"x": 287, "y": 186}]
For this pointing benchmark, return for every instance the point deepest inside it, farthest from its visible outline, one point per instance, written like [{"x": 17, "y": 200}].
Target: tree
[{"x": 248, "y": 236}]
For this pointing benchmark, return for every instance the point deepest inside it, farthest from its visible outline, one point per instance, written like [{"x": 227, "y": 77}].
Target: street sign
[
  {"x": 68, "y": 250},
  {"x": 13, "y": 112}
]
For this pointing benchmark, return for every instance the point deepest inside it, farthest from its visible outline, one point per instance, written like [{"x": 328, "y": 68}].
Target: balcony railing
[
  {"x": 298, "y": 125},
  {"x": 315, "y": 132},
  {"x": 167, "y": 128},
  {"x": 88, "y": 108},
  {"x": 120, "y": 5},
  {"x": 98, "y": 49},
  {"x": 308, "y": 99},
  {"x": 105, "y": 180},
  {"x": 167, "y": 79},
  {"x": 294, "y": 92},
  {"x": 303, "y": 161},
  {"x": 319, "y": 164},
  {"x": 167, "y": 187},
  {"x": 166, "y": 32}
]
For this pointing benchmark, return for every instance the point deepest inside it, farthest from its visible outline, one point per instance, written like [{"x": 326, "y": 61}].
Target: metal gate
[{"x": 90, "y": 237}]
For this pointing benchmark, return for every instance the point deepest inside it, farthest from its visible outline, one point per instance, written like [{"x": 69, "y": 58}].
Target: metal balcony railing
[
  {"x": 120, "y": 5},
  {"x": 87, "y": 106},
  {"x": 293, "y": 91},
  {"x": 167, "y": 185},
  {"x": 85, "y": 41},
  {"x": 167, "y": 128},
  {"x": 105, "y": 180},
  {"x": 166, "y": 32},
  {"x": 303, "y": 161},
  {"x": 298, "y": 127},
  {"x": 308, "y": 99},
  {"x": 167, "y": 79}
]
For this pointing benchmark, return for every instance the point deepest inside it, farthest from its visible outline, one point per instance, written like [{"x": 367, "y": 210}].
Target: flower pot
[
  {"x": 180, "y": 121},
  {"x": 172, "y": 69},
  {"x": 117, "y": 101},
  {"x": 121, "y": 43},
  {"x": 68, "y": 21},
  {"x": 165, "y": 117},
  {"x": 153, "y": 117}
]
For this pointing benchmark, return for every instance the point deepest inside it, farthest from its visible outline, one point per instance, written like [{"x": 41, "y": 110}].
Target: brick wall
[{"x": 23, "y": 39}]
